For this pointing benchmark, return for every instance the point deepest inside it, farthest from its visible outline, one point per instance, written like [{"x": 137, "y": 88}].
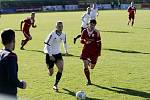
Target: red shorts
[
  {"x": 131, "y": 17},
  {"x": 27, "y": 34},
  {"x": 86, "y": 55}
]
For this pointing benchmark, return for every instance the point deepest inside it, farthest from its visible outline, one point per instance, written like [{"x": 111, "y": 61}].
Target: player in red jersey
[
  {"x": 27, "y": 24},
  {"x": 92, "y": 48},
  {"x": 132, "y": 12}
]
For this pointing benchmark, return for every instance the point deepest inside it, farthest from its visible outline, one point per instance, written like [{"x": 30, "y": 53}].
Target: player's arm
[
  {"x": 34, "y": 25},
  {"x": 98, "y": 36},
  {"x": 48, "y": 46},
  {"x": 99, "y": 42},
  {"x": 12, "y": 72},
  {"x": 84, "y": 39},
  {"x": 82, "y": 18},
  {"x": 128, "y": 9},
  {"x": 97, "y": 13},
  {"x": 135, "y": 10},
  {"x": 48, "y": 43},
  {"x": 65, "y": 44},
  {"x": 21, "y": 25}
]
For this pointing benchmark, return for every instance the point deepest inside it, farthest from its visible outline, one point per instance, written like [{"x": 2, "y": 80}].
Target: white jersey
[
  {"x": 93, "y": 13},
  {"x": 52, "y": 43},
  {"x": 85, "y": 20}
]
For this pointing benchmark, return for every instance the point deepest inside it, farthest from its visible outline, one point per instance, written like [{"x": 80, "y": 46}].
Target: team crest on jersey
[{"x": 93, "y": 35}]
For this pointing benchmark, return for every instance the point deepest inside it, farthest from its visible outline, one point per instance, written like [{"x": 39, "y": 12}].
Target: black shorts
[{"x": 51, "y": 63}]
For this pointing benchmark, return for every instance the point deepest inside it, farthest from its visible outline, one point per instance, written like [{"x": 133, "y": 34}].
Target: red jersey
[
  {"x": 131, "y": 10},
  {"x": 27, "y": 24},
  {"x": 95, "y": 46}
]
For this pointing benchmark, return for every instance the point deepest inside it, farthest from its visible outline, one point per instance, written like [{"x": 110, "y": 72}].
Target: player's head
[
  {"x": 8, "y": 38},
  {"x": 33, "y": 15},
  {"x": 59, "y": 26},
  {"x": 132, "y": 3},
  {"x": 92, "y": 24},
  {"x": 94, "y": 6},
  {"x": 88, "y": 9}
]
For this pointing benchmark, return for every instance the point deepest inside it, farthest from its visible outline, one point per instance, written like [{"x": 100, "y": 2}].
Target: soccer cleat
[
  {"x": 74, "y": 40},
  {"x": 88, "y": 83},
  {"x": 22, "y": 48},
  {"x": 22, "y": 41},
  {"x": 55, "y": 88}
]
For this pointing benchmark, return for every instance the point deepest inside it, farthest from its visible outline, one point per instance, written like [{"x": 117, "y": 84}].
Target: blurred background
[{"x": 14, "y": 6}]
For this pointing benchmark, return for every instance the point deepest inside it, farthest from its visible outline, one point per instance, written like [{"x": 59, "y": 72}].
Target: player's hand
[
  {"x": 89, "y": 41},
  {"x": 34, "y": 26},
  {"x": 52, "y": 58},
  {"x": 24, "y": 84}
]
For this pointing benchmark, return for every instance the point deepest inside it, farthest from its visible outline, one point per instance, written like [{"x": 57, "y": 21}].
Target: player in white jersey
[
  {"x": 85, "y": 20},
  {"x": 94, "y": 12},
  {"x": 53, "y": 52}
]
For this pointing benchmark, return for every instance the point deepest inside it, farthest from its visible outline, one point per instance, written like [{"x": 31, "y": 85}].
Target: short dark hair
[
  {"x": 93, "y": 21},
  {"x": 7, "y": 36}
]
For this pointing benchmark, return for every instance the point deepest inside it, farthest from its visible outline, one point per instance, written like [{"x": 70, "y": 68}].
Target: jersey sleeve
[
  {"x": 26, "y": 20},
  {"x": 82, "y": 18},
  {"x": 83, "y": 37},
  {"x": 128, "y": 9},
  {"x": 13, "y": 71},
  {"x": 48, "y": 42}
]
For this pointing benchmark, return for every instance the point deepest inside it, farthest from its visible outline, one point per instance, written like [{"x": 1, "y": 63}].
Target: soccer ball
[{"x": 80, "y": 95}]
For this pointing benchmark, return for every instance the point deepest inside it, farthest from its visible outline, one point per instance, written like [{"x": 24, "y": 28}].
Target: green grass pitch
[{"x": 121, "y": 73}]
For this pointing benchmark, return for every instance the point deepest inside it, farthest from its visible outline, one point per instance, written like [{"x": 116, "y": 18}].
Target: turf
[{"x": 121, "y": 73}]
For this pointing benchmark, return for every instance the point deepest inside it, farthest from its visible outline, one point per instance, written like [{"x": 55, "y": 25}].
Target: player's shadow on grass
[
  {"x": 116, "y": 31},
  {"x": 35, "y": 51},
  {"x": 63, "y": 54},
  {"x": 126, "y": 51},
  {"x": 142, "y": 27},
  {"x": 126, "y": 91},
  {"x": 74, "y": 94}
]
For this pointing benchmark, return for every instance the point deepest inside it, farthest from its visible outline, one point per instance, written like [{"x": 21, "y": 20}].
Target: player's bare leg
[
  {"x": 92, "y": 66},
  {"x": 59, "y": 65},
  {"x": 132, "y": 22},
  {"x": 50, "y": 71},
  {"x": 129, "y": 22},
  {"x": 24, "y": 42},
  {"x": 86, "y": 71}
]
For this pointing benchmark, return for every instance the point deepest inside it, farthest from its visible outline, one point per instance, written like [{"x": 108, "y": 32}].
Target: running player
[
  {"x": 94, "y": 12},
  {"x": 92, "y": 48},
  {"x": 85, "y": 20},
  {"x": 27, "y": 24},
  {"x": 53, "y": 52},
  {"x": 132, "y": 12}
]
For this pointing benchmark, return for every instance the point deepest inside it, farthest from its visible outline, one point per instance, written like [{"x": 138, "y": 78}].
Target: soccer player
[
  {"x": 8, "y": 66},
  {"x": 92, "y": 48},
  {"x": 53, "y": 52},
  {"x": 85, "y": 19},
  {"x": 28, "y": 22},
  {"x": 94, "y": 12},
  {"x": 132, "y": 12}
]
